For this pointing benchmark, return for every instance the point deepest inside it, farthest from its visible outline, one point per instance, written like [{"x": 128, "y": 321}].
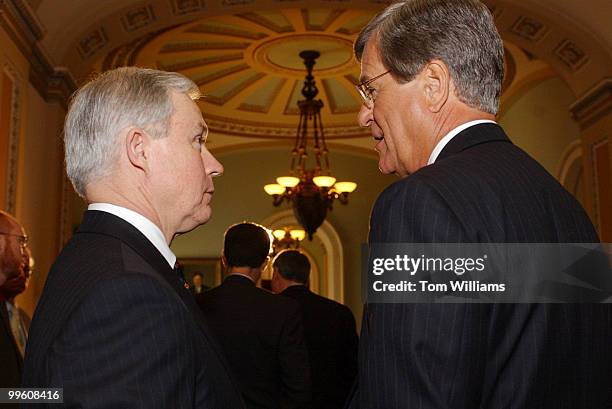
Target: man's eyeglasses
[
  {"x": 367, "y": 92},
  {"x": 23, "y": 239}
]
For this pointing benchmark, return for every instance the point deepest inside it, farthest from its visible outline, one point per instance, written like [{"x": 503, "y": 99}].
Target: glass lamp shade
[
  {"x": 297, "y": 234},
  {"x": 274, "y": 189},
  {"x": 324, "y": 181},
  {"x": 345, "y": 187},
  {"x": 288, "y": 181},
  {"x": 279, "y": 234}
]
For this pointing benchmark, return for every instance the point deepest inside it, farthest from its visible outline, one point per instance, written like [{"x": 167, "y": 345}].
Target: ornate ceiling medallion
[{"x": 248, "y": 68}]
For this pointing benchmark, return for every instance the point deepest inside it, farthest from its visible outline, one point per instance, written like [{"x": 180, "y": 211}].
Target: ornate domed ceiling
[{"x": 248, "y": 68}]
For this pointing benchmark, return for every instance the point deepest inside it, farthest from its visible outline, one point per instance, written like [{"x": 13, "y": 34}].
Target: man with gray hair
[
  {"x": 431, "y": 74},
  {"x": 116, "y": 325}
]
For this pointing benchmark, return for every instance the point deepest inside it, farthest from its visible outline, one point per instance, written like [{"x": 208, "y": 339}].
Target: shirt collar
[
  {"x": 447, "y": 138},
  {"x": 242, "y": 275},
  {"x": 144, "y": 225}
]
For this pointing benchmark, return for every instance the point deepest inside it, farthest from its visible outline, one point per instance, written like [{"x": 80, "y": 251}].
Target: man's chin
[
  {"x": 194, "y": 221},
  {"x": 202, "y": 217},
  {"x": 384, "y": 168}
]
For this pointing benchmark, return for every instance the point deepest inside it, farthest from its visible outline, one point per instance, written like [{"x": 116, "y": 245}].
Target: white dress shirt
[
  {"x": 144, "y": 225},
  {"x": 243, "y": 275},
  {"x": 447, "y": 138}
]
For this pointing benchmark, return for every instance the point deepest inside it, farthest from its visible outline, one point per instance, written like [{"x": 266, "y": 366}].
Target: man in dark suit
[
  {"x": 261, "y": 333},
  {"x": 329, "y": 331},
  {"x": 198, "y": 288},
  {"x": 431, "y": 79},
  {"x": 115, "y": 325},
  {"x": 13, "y": 249}
]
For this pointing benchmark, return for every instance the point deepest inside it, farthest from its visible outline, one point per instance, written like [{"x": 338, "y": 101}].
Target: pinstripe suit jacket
[
  {"x": 482, "y": 188},
  {"x": 116, "y": 329}
]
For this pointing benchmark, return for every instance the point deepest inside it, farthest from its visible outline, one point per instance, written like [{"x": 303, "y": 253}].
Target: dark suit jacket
[
  {"x": 482, "y": 188},
  {"x": 10, "y": 357},
  {"x": 263, "y": 341},
  {"x": 116, "y": 328},
  {"x": 331, "y": 338}
]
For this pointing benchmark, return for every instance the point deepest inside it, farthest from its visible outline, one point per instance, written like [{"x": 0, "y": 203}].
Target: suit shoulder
[
  {"x": 332, "y": 306},
  {"x": 275, "y": 299},
  {"x": 246, "y": 295},
  {"x": 327, "y": 301},
  {"x": 87, "y": 253},
  {"x": 411, "y": 190}
]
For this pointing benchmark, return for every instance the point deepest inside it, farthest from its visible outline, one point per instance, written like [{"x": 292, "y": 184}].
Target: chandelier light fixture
[
  {"x": 287, "y": 238},
  {"x": 311, "y": 191}
]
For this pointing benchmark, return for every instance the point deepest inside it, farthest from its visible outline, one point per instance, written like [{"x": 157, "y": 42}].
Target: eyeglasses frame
[
  {"x": 362, "y": 89},
  {"x": 23, "y": 239}
]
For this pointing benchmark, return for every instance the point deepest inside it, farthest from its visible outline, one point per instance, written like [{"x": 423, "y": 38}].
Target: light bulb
[
  {"x": 274, "y": 189},
  {"x": 324, "y": 181}
]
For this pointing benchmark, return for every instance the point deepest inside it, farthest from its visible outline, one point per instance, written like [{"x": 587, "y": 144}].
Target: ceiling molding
[
  {"x": 594, "y": 105},
  {"x": 24, "y": 28},
  {"x": 21, "y": 22},
  {"x": 573, "y": 53},
  {"x": 257, "y": 130},
  {"x": 53, "y": 84}
]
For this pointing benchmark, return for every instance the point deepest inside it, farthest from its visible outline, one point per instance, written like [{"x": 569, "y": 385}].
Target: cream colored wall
[
  {"x": 39, "y": 170},
  {"x": 39, "y": 188},
  {"x": 540, "y": 123}
]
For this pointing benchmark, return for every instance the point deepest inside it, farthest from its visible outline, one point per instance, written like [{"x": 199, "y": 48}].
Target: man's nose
[
  {"x": 364, "y": 118},
  {"x": 214, "y": 167}
]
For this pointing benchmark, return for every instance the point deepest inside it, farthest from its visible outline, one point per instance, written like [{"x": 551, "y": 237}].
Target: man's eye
[
  {"x": 198, "y": 142},
  {"x": 371, "y": 91}
]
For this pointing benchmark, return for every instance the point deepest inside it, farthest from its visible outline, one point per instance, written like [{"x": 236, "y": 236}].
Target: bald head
[
  {"x": 7, "y": 221},
  {"x": 12, "y": 245}
]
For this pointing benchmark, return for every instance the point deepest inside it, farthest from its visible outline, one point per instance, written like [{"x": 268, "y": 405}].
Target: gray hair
[
  {"x": 461, "y": 33},
  {"x": 113, "y": 101}
]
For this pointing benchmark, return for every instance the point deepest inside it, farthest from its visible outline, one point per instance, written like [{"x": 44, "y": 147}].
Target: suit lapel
[
  {"x": 99, "y": 222},
  {"x": 472, "y": 136},
  {"x": 108, "y": 224}
]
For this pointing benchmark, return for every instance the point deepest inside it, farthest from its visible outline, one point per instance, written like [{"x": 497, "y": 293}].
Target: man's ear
[
  {"x": 437, "y": 84},
  {"x": 223, "y": 261},
  {"x": 136, "y": 145}
]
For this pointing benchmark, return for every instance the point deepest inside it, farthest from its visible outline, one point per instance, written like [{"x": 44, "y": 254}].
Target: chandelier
[
  {"x": 287, "y": 238},
  {"x": 311, "y": 191}
]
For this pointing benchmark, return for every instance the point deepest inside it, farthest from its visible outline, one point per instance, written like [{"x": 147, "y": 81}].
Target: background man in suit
[
  {"x": 431, "y": 74},
  {"x": 260, "y": 332},
  {"x": 198, "y": 288},
  {"x": 329, "y": 331},
  {"x": 13, "y": 249},
  {"x": 115, "y": 325}
]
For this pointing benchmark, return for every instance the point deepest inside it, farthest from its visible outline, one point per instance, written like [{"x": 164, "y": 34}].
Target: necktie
[
  {"x": 181, "y": 276},
  {"x": 17, "y": 328}
]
